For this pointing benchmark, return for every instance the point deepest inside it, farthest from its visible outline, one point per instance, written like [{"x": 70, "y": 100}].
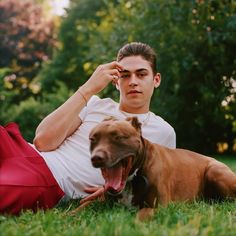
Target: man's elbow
[{"x": 42, "y": 144}]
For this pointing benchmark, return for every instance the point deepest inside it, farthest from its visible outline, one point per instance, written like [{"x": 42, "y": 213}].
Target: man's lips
[{"x": 134, "y": 92}]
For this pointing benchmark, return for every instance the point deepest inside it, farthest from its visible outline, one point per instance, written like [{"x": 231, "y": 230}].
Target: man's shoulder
[
  {"x": 161, "y": 131},
  {"x": 102, "y": 105},
  {"x": 159, "y": 121},
  {"x": 97, "y": 100}
]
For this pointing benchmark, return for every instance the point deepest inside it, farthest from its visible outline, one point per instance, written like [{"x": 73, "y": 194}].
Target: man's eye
[
  {"x": 125, "y": 76},
  {"x": 141, "y": 74}
]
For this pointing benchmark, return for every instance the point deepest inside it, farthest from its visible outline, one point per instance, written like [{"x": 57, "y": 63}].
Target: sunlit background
[{"x": 58, "y": 6}]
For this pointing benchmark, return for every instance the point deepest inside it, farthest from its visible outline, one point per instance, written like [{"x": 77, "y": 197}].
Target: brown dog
[{"x": 118, "y": 148}]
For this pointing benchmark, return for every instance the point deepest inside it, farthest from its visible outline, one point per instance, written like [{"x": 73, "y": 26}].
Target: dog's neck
[
  {"x": 139, "y": 180},
  {"x": 140, "y": 158}
]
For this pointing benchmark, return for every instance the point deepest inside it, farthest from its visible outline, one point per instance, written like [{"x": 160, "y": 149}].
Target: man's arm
[
  {"x": 63, "y": 122},
  {"x": 60, "y": 124}
]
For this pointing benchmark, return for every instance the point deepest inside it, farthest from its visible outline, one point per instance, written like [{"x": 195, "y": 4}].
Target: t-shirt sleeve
[
  {"x": 170, "y": 141},
  {"x": 90, "y": 106}
]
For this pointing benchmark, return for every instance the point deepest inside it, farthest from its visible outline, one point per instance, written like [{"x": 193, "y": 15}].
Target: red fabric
[{"x": 25, "y": 180}]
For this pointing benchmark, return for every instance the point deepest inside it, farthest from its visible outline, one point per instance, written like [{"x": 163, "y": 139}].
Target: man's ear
[
  {"x": 134, "y": 122},
  {"x": 157, "y": 80},
  {"x": 117, "y": 86}
]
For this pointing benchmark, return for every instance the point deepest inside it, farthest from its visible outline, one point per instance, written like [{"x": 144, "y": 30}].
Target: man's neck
[{"x": 133, "y": 110}]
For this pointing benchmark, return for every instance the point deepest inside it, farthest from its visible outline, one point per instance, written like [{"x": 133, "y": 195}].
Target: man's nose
[{"x": 133, "y": 80}]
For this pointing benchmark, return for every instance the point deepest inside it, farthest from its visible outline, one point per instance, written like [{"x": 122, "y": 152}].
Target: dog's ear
[{"x": 134, "y": 122}]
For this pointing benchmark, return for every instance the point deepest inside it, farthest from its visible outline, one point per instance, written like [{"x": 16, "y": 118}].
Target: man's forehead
[{"x": 135, "y": 63}]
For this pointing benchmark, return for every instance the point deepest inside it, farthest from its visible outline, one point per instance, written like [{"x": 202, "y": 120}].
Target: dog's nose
[{"x": 98, "y": 160}]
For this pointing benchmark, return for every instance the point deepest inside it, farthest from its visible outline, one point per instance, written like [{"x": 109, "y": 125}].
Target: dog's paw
[{"x": 144, "y": 214}]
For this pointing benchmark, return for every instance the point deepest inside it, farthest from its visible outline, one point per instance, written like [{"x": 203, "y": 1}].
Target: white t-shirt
[{"x": 70, "y": 163}]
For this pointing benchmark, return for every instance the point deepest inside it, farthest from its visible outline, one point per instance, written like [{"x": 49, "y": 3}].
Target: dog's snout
[{"x": 98, "y": 159}]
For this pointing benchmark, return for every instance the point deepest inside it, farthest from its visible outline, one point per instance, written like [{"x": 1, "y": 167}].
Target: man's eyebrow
[
  {"x": 138, "y": 70},
  {"x": 142, "y": 69}
]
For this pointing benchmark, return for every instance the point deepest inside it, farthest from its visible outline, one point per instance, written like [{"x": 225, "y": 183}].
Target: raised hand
[{"x": 101, "y": 77}]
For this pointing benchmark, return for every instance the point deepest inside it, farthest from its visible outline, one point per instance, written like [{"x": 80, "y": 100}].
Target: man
[{"x": 62, "y": 137}]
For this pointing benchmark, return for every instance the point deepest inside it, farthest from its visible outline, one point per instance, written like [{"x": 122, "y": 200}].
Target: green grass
[{"x": 198, "y": 218}]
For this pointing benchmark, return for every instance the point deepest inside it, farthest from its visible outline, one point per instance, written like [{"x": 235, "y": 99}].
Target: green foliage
[
  {"x": 30, "y": 112},
  {"x": 195, "y": 42},
  {"x": 27, "y": 40},
  {"x": 194, "y": 60},
  {"x": 76, "y": 60}
]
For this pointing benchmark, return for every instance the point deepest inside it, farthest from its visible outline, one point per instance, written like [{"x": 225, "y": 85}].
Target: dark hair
[{"x": 139, "y": 49}]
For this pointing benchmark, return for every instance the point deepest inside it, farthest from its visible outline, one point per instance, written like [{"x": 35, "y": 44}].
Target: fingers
[
  {"x": 113, "y": 69},
  {"x": 81, "y": 207},
  {"x": 92, "y": 197},
  {"x": 112, "y": 65},
  {"x": 115, "y": 75},
  {"x": 114, "y": 72},
  {"x": 98, "y": 194},
  {"x": 116, "y": 64},
  {"x": 102, "y": 76},
  {"x": 92, "y": 189}
]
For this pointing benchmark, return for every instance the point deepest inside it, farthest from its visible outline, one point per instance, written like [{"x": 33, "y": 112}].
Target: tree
[
  {"x": 72, "y": 60},
  {"x": 27, "y": 40},
  {"x": 195, "y": 41}
]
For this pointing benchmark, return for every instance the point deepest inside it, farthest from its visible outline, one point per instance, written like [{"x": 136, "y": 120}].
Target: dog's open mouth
[{"x": 116, "y": 176}]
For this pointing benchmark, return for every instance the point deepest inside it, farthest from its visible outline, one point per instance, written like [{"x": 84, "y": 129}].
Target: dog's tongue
[{"x": 113, "y": 179}]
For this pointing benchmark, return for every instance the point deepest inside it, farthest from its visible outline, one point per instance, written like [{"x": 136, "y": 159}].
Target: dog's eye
[
  {"x": 120, "y": 137},
  {"x": 92, "y": 140}
]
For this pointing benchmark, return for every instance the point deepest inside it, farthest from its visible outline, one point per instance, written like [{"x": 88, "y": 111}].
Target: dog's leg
[
  {"x": 221, "y": 181},
  {"x": 145, "y": 214},
  {"x": 147, "y": 211}
]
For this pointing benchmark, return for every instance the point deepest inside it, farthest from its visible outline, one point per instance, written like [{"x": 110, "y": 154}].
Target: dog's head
[{"x": 115, "y": 145}]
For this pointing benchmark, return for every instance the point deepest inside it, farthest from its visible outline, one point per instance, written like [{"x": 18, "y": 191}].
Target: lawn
[{"x": 198, "y": 218}]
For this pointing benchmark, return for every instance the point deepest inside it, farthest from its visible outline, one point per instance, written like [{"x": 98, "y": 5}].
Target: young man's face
[{"x": 136, "y": 84}]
